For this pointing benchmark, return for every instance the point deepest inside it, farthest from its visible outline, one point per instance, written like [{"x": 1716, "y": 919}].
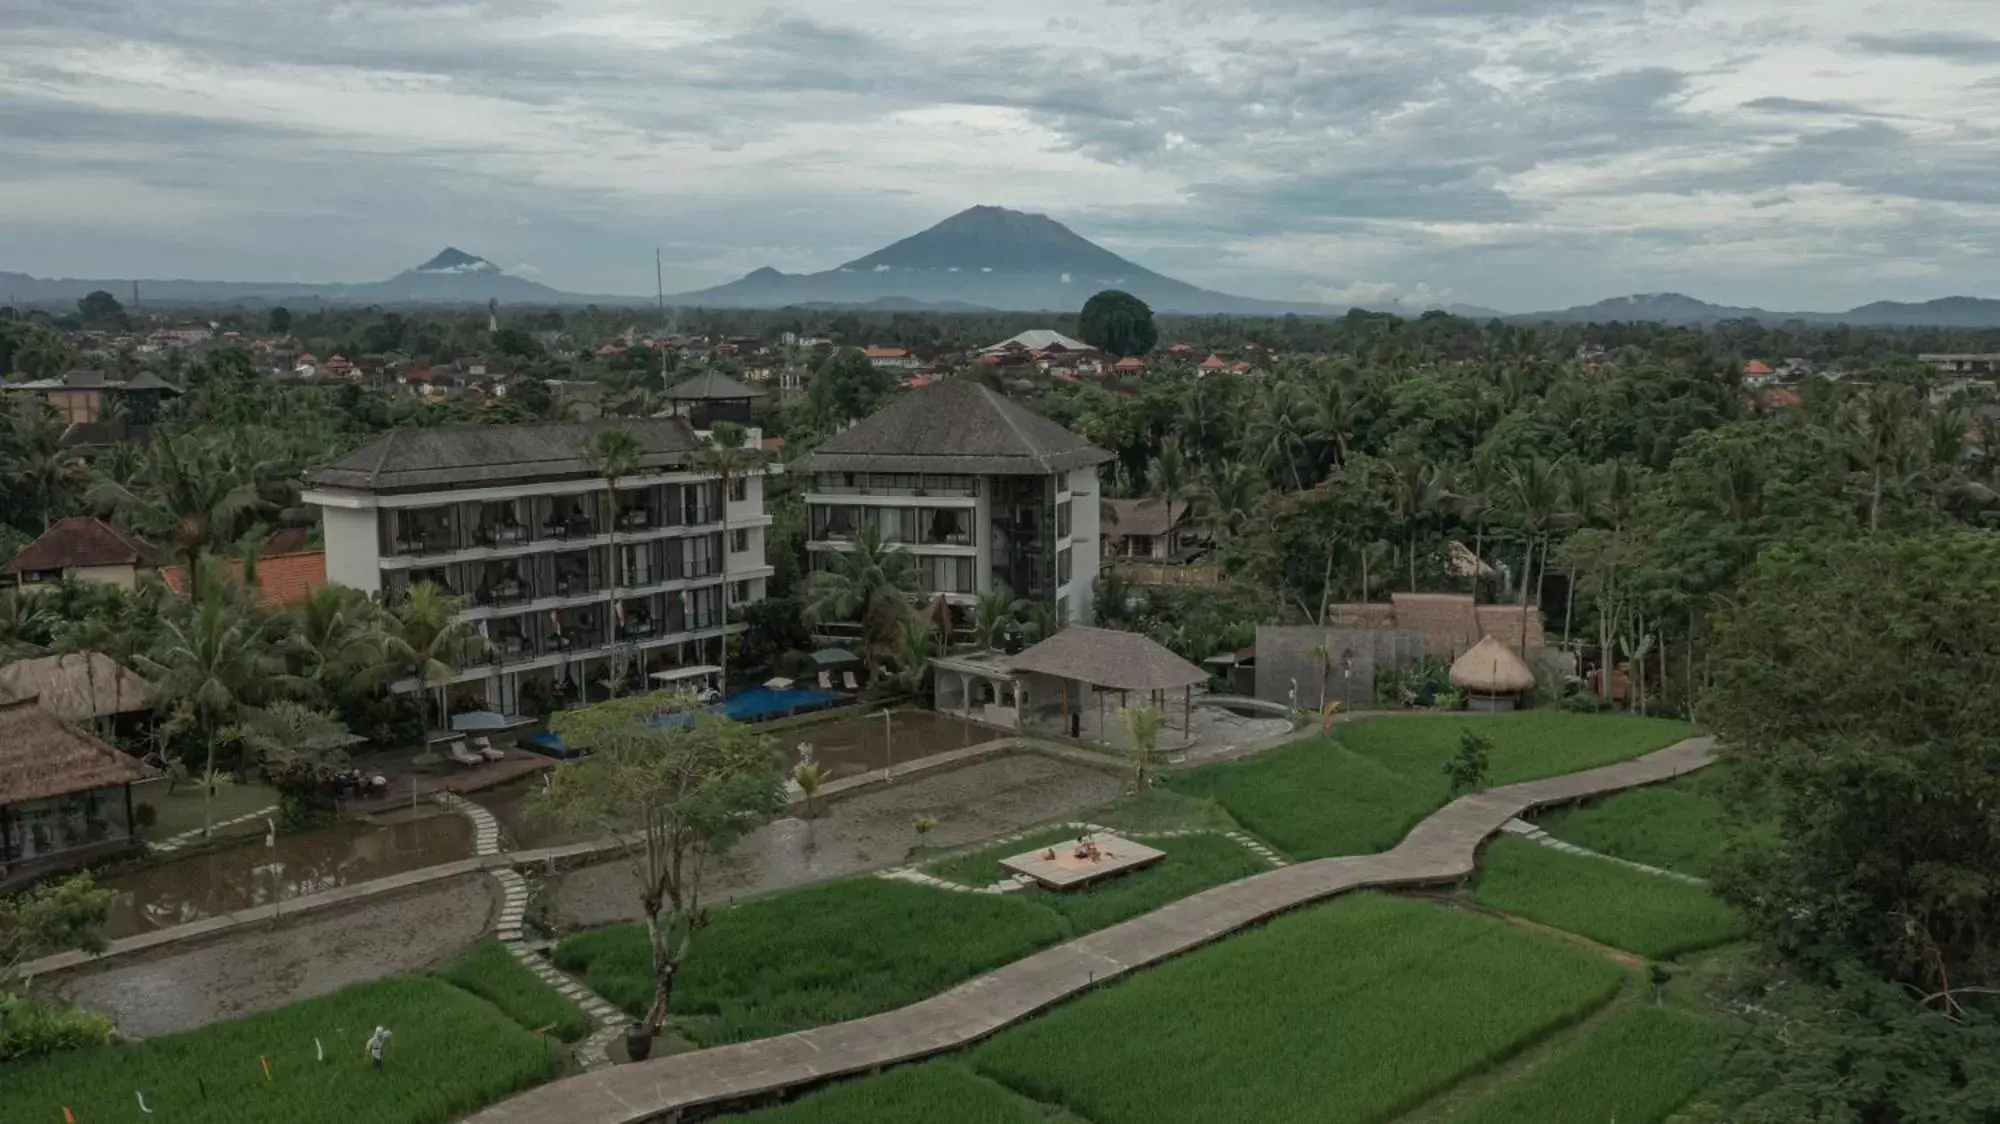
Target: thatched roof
[
  {"x": 43, "y": 756},
  {"x": 1148, "y": 517},
  {"x": 77, "y": 686},
  {"x": 1103, "y": 657},
  {"x": 955, "y": 426},
  {"x": 1491, "y": 668},
  {"x": 486, "y": 456}
]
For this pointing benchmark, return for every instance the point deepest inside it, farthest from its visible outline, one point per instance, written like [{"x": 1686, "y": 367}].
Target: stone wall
[{"x": 1285, "y": 653}]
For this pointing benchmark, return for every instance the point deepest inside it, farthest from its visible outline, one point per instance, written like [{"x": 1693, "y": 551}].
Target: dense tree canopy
[{"x": 1118, "y": 323}]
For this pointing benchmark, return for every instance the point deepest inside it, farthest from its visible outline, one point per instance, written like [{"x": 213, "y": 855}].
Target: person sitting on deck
[{"x": 1086, "y": 849}]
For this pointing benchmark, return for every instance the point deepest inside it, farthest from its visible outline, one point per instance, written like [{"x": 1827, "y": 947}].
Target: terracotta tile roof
[
  {"x": 1782, "y": 398},
  {"x": 1212, "y": 363},
  {"x": 76, "y": 541},
  {"x": 1130, "y": 363},
  {"x": 282, "y": 579},
  {"x": 42, "y": 756},
  {"x": 1756, "y": 367},
  {"x": 885, "y": 352}
]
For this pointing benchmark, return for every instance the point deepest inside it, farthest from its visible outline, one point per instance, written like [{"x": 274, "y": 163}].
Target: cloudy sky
[{"x": 1519, "y": 154}]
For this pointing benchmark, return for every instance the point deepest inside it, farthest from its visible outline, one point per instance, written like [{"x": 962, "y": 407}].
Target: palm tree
[
  {"x": 336, "y": 642},
  {"x": 613, "y": 454},
  {"x": 1534, "y": 495},
  {"x": 1170, "y": 479},
  {"x": 1476, "y": 491},
  {"x": 993, "y": 612},
  {"x": 1333, "y": 421},
  {"x": 24, "y": 625},
  {"x": 37, "y": 459},
  {"x": 1226, "y": 497},
  {"x": 209, "y": 663},
  {"x": 191, "y": 498},
  {"x": 724, "y": 456},
  {"x": 1417, "y": 490},
  {"x": 426, "y": 638},
  {"x": 1275, "y": 432},
  {"x": 872, "y": 583}
]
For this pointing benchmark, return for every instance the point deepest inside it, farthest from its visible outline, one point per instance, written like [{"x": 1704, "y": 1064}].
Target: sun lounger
[
  {"x": 847, "y": 681},
  {"x": 826, "y": 680},
  {"x": 484, "y": 747},
  {"x": 464, "y": 756}
]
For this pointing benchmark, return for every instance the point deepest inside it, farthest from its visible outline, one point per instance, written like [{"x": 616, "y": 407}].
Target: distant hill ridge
[{"x": 982, "y": 259}]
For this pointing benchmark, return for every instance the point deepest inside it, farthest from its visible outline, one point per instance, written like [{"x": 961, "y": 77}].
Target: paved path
[{"x": 1440, "y": 849}]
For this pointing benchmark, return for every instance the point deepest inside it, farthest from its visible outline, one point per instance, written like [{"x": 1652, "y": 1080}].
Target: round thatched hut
[{"x": 1492, "y": 675}]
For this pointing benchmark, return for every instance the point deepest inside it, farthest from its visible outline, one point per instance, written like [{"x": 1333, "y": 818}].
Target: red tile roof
[
  {"x": 79, "y": 541},
  {"x": 886, "y": 353},
  {"x": 1756, "y": 367},
  {"x": 1130, "y": 363},
  {"x": 1212, "y": 363},
  {"x": 1782, "y": 398},
  {"x": 282, "y": 579}
]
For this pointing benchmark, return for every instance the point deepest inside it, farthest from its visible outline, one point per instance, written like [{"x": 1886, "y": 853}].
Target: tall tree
[
  {"x": 724, "y": 456},
  {"x": 36, "y": 458},
  {"x": 1534, "y": 497},
  {"x": 427, "y": 639},
  {"x": 193, "y": 497},
  {"x": 1117, "y": 323},
  {"x": 683, "y": 793},
  {"x": 614, "y": 454},
  {"x": 211, "y": 661},
  {"x": 872, "y": 583}
]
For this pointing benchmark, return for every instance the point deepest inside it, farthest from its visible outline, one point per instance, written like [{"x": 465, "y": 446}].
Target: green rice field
[
  {"x": 828, "y": 953},
  {"x": 451, "y": 1053},
  {"x": 1364, "y": 788},
  {"x": 1638, "y": 1068},
  {"x": 489, "y": 971},
  {"x": 1369, "y": 1003},
  {"x": 1649, "y": 914}
]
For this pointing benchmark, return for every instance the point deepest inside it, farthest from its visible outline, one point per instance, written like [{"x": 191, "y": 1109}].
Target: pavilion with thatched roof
[
  {"x": 65, "y": 796},
  {"x": 1492, "y": 676},
  {"x": 80, "y": 687},
  {"x": 1083, "y": 673}
]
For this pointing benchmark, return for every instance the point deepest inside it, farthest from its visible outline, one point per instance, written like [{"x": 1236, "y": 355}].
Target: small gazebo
[
  {"x": 1079, "y": 670},
  {"x": 1492, "y": 675}
]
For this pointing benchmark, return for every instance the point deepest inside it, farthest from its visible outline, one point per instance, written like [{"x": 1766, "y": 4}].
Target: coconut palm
[
  {"x": 37, "y": 460},
  {"x": 1475, "y": 493},
  {"x": 1417, "y": 491},
  {"x": 1275, "y": 433},
  {"x": 426, "y": 639},
  {"x": 996, "y": 609},
  {"x": 613, "y": 454},
  {"x": 1170, "y": 479},
  {"x": 871, "y": 583},
  {"x": 24, "y": 625},
  {"x": 1534, "y": 496},
  {"x": 192, "y": 497},
  {"x": 210, "y": 662},
  {"x": 336, "y": 643},
  {"x": 1226, "y": 497},
  {"x": 1333, "y": 420}
]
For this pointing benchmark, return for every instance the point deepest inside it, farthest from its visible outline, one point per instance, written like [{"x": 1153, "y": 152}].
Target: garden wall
[{"x": 1285, "y": 653}]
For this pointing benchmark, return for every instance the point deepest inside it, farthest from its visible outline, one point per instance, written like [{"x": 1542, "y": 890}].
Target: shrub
[{"x": 29, "y": 1028}]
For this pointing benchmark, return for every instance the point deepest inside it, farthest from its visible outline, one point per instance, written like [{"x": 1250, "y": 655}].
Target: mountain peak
[
  {"x": 454, "y": 260},
  {"x": 990, "y": 239}
]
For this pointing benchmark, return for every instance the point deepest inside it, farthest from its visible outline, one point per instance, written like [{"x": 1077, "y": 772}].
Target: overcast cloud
[{"x": 1519, "y": 154}]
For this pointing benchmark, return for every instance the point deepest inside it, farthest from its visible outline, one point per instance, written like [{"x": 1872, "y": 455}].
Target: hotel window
[
  {"x": 739, "y": 540},
  {"x": 1062, "y": 520},
  {"x": 739, "y": 489},
  {"x": 739, "y": 593},
  {"x": 1062, "y": 566}
]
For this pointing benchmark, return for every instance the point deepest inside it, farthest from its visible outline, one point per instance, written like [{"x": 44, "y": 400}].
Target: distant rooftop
[
  {"x": 955, "y": 425},
  {"x": 487, "y": 456},
  {"x": 1038, "y": 339},
  {"x": 78, "y": 542},
  {"x": 712, "y": 386}
]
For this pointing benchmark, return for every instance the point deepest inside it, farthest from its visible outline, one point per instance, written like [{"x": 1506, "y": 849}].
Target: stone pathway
[
  {"x": 1014, "y": 882},
  {"x": 186, "y": 838},
  {"x": 1530, "y": 832},
  {"x": 1441, "y": 849},
  {"x": 485, "y": 829},
  {"x": 594, "y": 1050}
]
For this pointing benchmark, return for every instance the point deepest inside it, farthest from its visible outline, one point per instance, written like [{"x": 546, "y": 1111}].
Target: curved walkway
[{"x": 1440, "y": 849}]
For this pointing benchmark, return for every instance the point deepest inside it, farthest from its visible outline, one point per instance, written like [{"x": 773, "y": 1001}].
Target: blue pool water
[{"x": 756, "y": 704}]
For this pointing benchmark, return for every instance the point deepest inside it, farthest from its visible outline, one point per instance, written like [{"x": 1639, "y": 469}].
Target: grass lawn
[
  {"x": 1638, "y": 1068},
  {"x": 182, "y": 812},
  {"x": 1681, "y": 825},
  {"x": 827, "y": 953},
  {"x": 489, "y": 971},
  {"x": 452, "y": 1053},
  {"x": 1363, "y": 1007},
  {"x": 932, "y": 1093},
  {"x": 1362, "y": 789},
  {"x": 1649, "y": 914}
]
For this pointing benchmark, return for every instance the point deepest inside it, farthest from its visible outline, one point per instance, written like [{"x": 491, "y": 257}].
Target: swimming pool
[{"x": 755, "y": 704}]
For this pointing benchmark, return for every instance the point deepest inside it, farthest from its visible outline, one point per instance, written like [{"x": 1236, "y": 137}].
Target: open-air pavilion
[{"x": 1073, "y": 684}]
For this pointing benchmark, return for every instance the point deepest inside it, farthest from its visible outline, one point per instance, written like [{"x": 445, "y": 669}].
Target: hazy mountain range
[{"x": 981, "y": 259}]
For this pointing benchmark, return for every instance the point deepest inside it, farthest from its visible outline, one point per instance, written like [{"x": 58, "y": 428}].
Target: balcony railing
[
  {"x": 574, "y": 527},
  {"x": 637, "y": 519},
  {"x": 501, "y": 535},
  {"x": 511, "y": 592}
]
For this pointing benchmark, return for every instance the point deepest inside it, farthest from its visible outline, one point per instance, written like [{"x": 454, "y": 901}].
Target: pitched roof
[
  {"x": 1141, "y": 517},
  {"x": 1756, "y": 367},
  {"x": 1491, "y": 668},
  {"x": 955, "y": 425},
  {"x": 1103, "y": 657},
  {"x": 42, "y": 756},
  {"x": 1212, "y": 363},
  {"x": 712, "y": 386},
  {"x": 77, "y": 686},
  {"x": 1130, "y": 363},
  {"x": 79, "y": 541},
  {"x": 885, "y": 352},
  {"x": 147, "y": 380},
  {"x": 419, "y": 460},
  {"x": 282, "y": 579},
  {"x": 1039, "y": 339}
]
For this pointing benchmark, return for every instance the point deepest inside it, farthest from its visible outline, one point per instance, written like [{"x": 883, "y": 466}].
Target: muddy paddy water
[
  {"x": 247, "y": 874},
  {"x": 861, "y": 832},
  {"x": 845, "y": 748}
]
